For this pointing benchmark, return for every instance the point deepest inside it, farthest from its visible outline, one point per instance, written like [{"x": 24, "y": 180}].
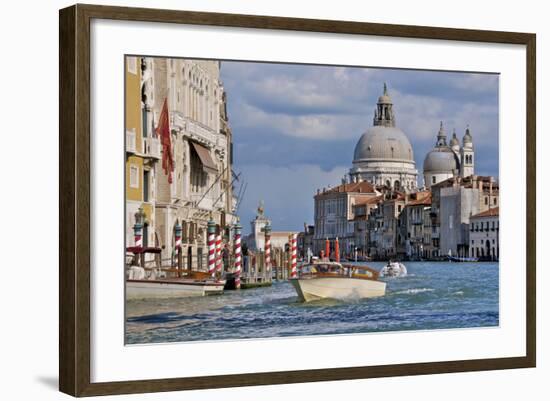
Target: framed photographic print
[{"x": 347, "y": 200}]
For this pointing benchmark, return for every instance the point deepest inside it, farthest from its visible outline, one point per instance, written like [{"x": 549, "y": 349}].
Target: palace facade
[{"x": 178, "y": 153}]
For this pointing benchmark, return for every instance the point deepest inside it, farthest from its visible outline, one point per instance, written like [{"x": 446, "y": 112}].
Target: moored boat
[
  {"x": 172, "y": 288},
  {"x": 337, "y": 281},
  {"x": 461, "y": 259},
  {"x": 155, "y": 282}
]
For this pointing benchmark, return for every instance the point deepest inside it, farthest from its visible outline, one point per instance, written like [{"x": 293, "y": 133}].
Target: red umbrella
[{"x": 337, "y": 250}]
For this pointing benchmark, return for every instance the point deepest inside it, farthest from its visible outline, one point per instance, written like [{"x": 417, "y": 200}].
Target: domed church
[
  {"x": 384, "y": 155},
  {"x": 446, "y": 161}
]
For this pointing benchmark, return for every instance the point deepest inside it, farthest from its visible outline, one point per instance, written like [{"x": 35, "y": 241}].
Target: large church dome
[
  {"x": 383, "y": 155},
  {"x": 381, "y": 142}
]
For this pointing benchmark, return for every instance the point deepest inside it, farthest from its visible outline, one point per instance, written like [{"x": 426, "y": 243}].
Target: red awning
[{"x": 206, "y": 158}]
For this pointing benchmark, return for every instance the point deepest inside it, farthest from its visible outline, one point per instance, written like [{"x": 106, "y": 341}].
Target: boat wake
[{"x": 413, "y": 291}]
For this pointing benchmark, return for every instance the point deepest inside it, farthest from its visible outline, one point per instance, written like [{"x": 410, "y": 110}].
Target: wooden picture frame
[{"x": 75, "y": 207}]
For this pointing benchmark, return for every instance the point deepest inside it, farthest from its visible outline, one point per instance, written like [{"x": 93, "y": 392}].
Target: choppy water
[{"x": 433, "y": 296}]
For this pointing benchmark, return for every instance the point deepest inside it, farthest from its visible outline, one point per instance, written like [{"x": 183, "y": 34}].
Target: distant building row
[{"x": 456, "y": 217}]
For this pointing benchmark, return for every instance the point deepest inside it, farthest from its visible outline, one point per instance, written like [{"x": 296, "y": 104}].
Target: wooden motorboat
[
  {"x": 337, "y": 281},
  {"x": 157, "y": 282},
  {"x": 171, "y": 288}
]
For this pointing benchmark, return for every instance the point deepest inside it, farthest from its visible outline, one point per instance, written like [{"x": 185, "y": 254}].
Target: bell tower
[{"x": 467, "y": 155}]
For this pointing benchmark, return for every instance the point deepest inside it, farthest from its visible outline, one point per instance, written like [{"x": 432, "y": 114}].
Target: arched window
[{"x": 396, "y": 185}]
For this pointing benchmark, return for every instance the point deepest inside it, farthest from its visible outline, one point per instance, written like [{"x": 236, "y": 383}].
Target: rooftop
[
  {"x": 370, "y": 201},
  {"x": 355, "y": 187},
  {"x": 488, "y": 213},
  {"x": 423, "y": 198}
]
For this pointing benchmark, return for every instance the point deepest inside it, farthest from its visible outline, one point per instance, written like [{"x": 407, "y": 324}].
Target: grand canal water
[{"x": 433, "y": 296}]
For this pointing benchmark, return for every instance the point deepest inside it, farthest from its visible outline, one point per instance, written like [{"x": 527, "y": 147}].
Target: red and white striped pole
[
  {"x": 138, "y": 227},
  {"x": 219, "y": 253},
  {"x": 178, "y": 231},
  {"x": 294, "y": 251},
  {"x": 211, "y": 229},
  {"x": 267, "y": 248},
  {"x": 238, "y": 256},
  {"x": 137, "y": 235}
]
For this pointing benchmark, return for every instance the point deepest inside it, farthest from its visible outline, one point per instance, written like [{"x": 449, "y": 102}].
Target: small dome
[
  {"x": 384, "y": 99},
  {"x": 380, "y": 142},
  {"x": 467, "y": 136},
  {"x": 440, "y": 160},
  {"x": 454, "y": 141}
]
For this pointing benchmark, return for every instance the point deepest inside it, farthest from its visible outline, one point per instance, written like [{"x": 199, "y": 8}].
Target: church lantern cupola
[{"x": 383, "y": 114}]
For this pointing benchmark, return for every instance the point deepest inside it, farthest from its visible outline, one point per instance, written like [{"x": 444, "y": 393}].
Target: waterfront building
[
  {"x": 383, "y": 226},
  {"x": 484, "y": 239},
  {"x": 183, "y": 105},
  {"x": 454, "y": 202},
  {"x": 411, "y": 237},
  {"x": 429, "y": 229},
  {"x": 142, "y": 156},
  {"x": 334, "y": 214},
  {"x": 383, "y": 155},
  {"x": 362, "y": 211},
  {"x": 449, "y": 160},
  {"x": 256, "y": 239}
]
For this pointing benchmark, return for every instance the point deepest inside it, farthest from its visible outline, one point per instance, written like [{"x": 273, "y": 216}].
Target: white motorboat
[
  {"x": 394, "y": 269},
  {"x": 156, "y": 285},
  {"x": 337, "y": 281}
]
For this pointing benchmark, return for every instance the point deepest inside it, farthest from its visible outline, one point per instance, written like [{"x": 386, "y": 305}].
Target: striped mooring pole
[
  {"x": 238, "y": 257},
  {"x": 267, "y": 248},
  {"x": 139, "y": 216},
  {"x": 219, "y": 253},
  {"x": 177, "y": 232},
  {"x": 138, "y": 241},
  {"x": 293, "y": 250},
  {"x": 211, "y": 229}
]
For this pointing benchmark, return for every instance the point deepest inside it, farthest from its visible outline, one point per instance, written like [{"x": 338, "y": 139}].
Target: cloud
[{"x": 287, "y": 193}]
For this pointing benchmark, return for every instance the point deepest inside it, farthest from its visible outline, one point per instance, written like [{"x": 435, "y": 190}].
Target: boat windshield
[{"x": 321, "y": 268}]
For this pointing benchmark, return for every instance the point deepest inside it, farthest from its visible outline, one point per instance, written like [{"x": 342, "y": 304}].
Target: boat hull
[
  {"x": 145, "y": 289},
  {"x": 343, "y": 288}
]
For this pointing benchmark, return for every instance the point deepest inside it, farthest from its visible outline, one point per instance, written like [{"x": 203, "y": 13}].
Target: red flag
[{"x": 163, "y": 130}]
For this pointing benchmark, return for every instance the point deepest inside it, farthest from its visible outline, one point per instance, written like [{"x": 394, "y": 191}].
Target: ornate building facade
[
  {"x": 194, "y": 183},
  {"x": 383, "y": 155}
]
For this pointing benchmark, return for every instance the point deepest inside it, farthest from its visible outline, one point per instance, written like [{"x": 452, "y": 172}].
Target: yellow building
[{"x": 142, "y": 154}]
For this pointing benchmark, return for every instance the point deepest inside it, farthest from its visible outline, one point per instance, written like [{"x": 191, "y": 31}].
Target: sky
[{"x": 295, "y": 126}]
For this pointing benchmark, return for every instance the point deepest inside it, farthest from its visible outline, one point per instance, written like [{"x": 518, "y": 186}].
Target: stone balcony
[
  {"x": 195, "y": 130},
  {"x": 151, "y": 148}
]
